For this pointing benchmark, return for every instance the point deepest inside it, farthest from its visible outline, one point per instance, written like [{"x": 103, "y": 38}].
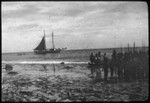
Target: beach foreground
[{"x": 65, "y": 82}]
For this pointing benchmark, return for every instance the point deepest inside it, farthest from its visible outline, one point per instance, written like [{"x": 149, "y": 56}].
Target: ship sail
[
  {"x": 41, "y": 48},
  {"x": 42, "y": 45}
]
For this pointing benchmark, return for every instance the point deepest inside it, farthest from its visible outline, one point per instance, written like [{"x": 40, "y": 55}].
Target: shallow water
[{"x": 38, "y": 70}]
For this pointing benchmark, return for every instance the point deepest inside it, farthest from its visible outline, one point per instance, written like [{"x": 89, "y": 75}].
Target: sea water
[{"x": 67, "y": 56}]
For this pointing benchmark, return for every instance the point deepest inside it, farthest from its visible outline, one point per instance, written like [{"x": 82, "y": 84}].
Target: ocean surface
[{"x": 67, "y": 56}]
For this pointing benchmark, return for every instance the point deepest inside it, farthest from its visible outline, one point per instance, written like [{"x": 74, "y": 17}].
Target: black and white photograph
[{"x": 74, "y": 51}]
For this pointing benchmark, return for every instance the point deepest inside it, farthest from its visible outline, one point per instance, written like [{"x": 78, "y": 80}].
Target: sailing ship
[{"x": 41, "y": 48}]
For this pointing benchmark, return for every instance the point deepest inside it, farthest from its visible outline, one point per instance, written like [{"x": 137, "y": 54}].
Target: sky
[{"x": 76, "y": 25}]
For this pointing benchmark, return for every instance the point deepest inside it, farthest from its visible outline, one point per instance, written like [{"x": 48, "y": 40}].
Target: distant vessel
[
  {"x": 41, "y": 48},
  {"x": 21, "y": 54}
]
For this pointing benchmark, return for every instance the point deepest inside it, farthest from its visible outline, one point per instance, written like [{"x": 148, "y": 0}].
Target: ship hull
[
  {"x": 53, "y": 51},
  {"x": 47, "y": 51},
  {"x": 40, "y": 52}
]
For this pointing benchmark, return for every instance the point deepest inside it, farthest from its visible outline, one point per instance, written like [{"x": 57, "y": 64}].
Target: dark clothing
[
  {"x": 114, "y": 54},
  {"x": 105, "y": 66},
  {"x": 128, "y": 66},
  {"x": 105, "y": 74},
  {"x": 92, "y": 58},
  {"x": 120, "y": 65},
  {"x": 111, "y": 66}
]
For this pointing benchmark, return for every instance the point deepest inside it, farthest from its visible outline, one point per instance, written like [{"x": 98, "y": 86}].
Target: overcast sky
[{"x": 76, "y": 25}]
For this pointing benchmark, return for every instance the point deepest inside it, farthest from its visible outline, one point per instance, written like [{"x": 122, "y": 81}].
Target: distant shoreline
[{"x": 81, "y": 49}]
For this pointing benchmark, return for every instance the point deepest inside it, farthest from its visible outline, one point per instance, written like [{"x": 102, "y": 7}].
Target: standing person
[
  {"x": 113, "y": 63},
  {"x": 99, "y": 54},
  {"x": 120, "y": 65},
  {"x": 92, "y": 58},
  {"x": 111, "y": 66},
  {"x": 114, "y": 54},
  {"x": 105, "y": 66},
  {"x": 92, "y": 64},
  {"x": 96, "y": 61},
  {"x": 97, "y": 66},
  {"x": 99, "y": 59},
  {"x": 125, "y": 60}
]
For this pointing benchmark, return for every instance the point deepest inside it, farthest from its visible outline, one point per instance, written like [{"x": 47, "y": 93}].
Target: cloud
[
  {"x": 23, "y": 11},
  {"x": 126, "y": 7},
  {"x": 91, "y": 24}
]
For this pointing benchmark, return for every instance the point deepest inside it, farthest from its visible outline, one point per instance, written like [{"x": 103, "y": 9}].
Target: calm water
[{"x": 67, "y": 56}]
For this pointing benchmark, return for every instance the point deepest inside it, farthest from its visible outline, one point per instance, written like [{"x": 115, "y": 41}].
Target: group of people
[{"x": 128, "y": 66}]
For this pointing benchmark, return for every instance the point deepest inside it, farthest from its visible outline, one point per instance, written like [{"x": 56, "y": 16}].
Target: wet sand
[{"x": 64, "y": 82}]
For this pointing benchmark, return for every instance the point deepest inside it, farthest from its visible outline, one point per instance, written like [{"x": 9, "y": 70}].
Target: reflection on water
[
  {"x": 45, "y": 68},
  {"x": 96, "y": 73},
  {"x": 54, "y": 68}
]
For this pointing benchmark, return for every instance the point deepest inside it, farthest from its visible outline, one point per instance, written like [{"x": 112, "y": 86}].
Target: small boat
[
  {"x": 20, "y": 54},
  {"x": 41, "y": 48}
]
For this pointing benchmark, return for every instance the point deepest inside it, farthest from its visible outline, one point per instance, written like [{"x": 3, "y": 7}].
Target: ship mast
[
  {"x": 134, "y": 47},
  {"x": 53, "y": 40},
  {"x": 128, "y": 47},
  {"x": 53, "y": 46},
  {"x": 44, "y": 33}
]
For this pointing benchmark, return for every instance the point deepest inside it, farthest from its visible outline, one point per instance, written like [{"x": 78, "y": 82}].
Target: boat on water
[
  {"x": 20, "y": 54},
  {"x": 41, "y": 48}
]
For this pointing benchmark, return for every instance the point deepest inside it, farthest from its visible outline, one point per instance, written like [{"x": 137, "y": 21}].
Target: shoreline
[
  {"x": 43, "y": 62},
  {"x": 79, "y": 49}
]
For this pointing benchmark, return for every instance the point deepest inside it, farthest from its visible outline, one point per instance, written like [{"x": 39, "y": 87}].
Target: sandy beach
[{"x": 64, "y": 82}]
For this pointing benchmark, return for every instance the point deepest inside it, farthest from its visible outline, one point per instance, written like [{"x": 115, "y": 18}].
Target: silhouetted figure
[
  {"x": 99, "y": 59},
  {"x": 105, "y": 66},
  {"x": 132, "y": 66},
  {"x": 92, "y": 57},
  {"x": 111, "y": 66},
  {"x": 98, "y": 66},
  {"x": 125, "y": 61},
  {"x": 113, "y": 63},
  {"x": 120, "y": 65},
  {"x": 144, "y": 60},
  {"x": 92, "y": 71},
  {"x": 99, "y": 54},
  {"x": 98, "y": 74},
  {"x": 96, "y": 60},
  {"x": 129, "y": 66},
  {"x": 114, "y": 54}
]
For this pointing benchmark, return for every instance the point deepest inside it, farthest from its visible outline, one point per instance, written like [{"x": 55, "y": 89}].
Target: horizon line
[{"x": 80, "y": 49}]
